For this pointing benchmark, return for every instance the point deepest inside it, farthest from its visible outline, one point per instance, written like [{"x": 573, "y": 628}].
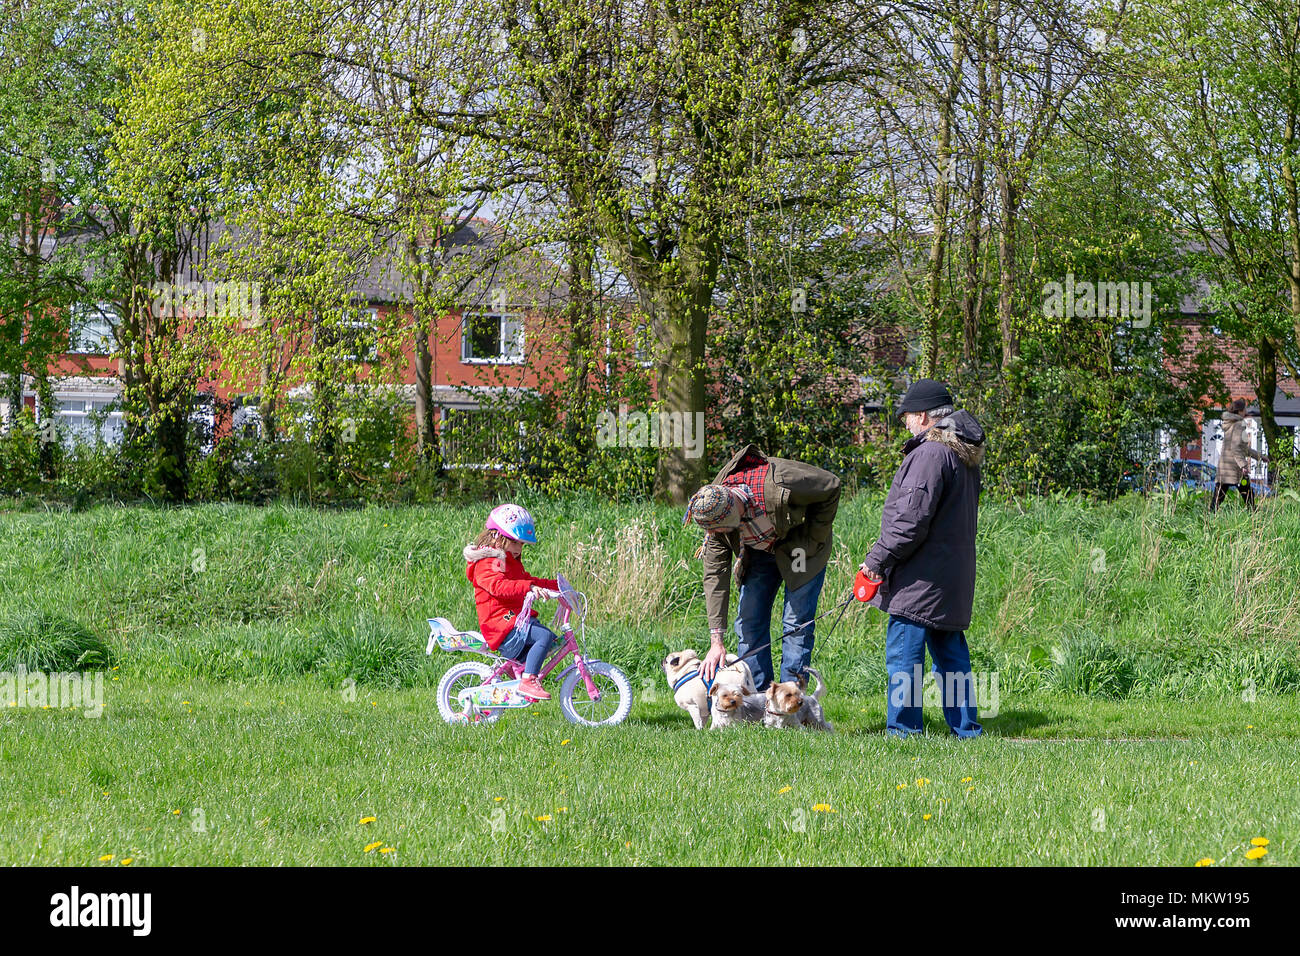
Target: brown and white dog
[
  {"x": 682, "y": 670},
  {"x": 731, "y": 705},
  {"x": 790, "y": 705}
]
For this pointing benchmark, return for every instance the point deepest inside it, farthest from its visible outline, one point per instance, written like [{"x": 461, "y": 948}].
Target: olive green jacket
[{"x": 801, "y": 500}]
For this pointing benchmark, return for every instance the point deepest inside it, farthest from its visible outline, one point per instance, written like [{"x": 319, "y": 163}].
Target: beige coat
[{"x": 1235, "y": 451}]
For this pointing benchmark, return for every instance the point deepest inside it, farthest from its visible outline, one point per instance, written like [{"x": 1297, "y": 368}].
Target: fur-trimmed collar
[
  {"x": 971, "y": 455},
  {"x": 473, "y": 554}
]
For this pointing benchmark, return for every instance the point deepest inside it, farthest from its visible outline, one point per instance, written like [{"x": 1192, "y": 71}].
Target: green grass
[
  {"x": 284, "y": 774},
  {"x": 1148, "y": 658}
]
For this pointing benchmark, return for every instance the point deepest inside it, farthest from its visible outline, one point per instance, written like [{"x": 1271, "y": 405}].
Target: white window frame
[
  {"x": 62, "y": 414},
  {"x": 76, "y": 317},
  {"x": 507, "y": 322}
]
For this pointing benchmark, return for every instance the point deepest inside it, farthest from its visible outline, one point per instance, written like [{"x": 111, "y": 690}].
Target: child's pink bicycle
[{"x": 592, "y": 692}]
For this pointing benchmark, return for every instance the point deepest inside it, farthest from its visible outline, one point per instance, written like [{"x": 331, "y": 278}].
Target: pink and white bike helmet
[{"x": 512, "y": 521}]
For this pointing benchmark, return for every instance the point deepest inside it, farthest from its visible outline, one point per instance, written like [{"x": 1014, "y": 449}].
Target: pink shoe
[{"x": 531, "y": 689}]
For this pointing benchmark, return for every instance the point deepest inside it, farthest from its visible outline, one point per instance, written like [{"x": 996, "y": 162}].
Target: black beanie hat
[{"x": 924, "y": 395}]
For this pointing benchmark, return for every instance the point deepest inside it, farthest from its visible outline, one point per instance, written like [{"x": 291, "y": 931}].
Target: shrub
[{"x": 46, "y": 642}]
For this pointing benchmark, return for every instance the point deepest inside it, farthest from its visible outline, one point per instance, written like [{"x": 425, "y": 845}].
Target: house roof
[{"x": 481, "y": 258}]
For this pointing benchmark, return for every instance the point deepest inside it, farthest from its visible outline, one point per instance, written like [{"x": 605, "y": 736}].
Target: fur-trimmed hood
[
  {"x": 963, "y": 434},
  {"x": 473, "y": 553}
]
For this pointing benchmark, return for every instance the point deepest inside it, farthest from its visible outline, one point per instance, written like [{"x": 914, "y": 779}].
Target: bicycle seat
[{"x": 444, "y": 635}]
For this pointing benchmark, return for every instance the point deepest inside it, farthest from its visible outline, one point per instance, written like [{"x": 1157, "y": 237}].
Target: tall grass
[{"x": 1132, "y": 598}]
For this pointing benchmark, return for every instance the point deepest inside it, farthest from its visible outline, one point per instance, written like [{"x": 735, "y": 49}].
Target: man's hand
[
  {"x": 715, "y": 658},
  {"x": 869, "y": 572}
]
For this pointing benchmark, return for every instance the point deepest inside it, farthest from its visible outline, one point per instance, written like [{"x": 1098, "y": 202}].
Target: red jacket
[{"x": 500, "y": 586}]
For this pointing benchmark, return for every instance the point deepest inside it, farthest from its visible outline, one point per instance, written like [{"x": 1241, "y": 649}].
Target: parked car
[{"x": 1180, "y": 474}]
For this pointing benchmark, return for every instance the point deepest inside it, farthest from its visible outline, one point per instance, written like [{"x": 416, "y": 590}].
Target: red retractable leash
[{"x": 864, "y": 588}]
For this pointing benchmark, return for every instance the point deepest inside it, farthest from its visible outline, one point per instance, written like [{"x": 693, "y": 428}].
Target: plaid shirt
[{"x": 756, "y": 527}]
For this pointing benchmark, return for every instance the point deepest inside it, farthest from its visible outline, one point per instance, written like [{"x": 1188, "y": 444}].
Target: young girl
[{"x": 500, "y": 586}]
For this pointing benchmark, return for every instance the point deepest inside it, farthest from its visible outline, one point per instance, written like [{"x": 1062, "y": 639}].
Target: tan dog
[
  {"x": 789, "y": 704},
  {"x": 690, "y": 693}
]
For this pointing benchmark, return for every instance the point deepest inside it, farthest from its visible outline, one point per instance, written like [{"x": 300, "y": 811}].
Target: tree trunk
[
  {"x": 578, "y": 424},
  {"x": 426, "y": 434},
  {"x": 683, "y": 322},
  {"x": 1265, "y": 390}
]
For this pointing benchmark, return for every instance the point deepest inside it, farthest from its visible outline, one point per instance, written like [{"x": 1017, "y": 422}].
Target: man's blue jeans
[
  {"x": 754, "y": 619},
  {"x": 905, "y": 644}
]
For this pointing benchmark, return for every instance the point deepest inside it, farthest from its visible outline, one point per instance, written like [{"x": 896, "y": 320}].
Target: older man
[
  {"x": 925, "y": 560},
  {"x": 773, "y": 518}
]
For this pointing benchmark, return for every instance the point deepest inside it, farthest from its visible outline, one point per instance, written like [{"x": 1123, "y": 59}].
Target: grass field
[{"x": 1148, "y": 712}]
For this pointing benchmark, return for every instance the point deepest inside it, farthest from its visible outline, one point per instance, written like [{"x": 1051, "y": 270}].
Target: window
[
  {"x": 353, "y": 339},
  {"x": 91, "y": 331},
  {"x": 643, "y": 346},
  {"x": 85, "y": 419},
  {"x": 492, "y": 337}
]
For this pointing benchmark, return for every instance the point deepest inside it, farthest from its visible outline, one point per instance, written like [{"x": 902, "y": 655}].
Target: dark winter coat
[{"x": 926, "y": 549}]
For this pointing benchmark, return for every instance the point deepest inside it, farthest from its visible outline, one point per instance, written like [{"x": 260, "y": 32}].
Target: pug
[
  {"x": 689, "y": 691},
  {"x": 790, "y": 705}
]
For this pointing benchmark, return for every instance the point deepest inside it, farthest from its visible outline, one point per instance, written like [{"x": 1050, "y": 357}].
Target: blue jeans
[
  {"x": 754, "y": 619},
  {"x": 905, "y": 644},
  {"x": 534, "y": 643}
]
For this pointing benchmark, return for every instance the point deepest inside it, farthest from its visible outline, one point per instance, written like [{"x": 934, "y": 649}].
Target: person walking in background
[
  {"x": 925, "y": 560},
  {"x": 1234, "y": 466}
]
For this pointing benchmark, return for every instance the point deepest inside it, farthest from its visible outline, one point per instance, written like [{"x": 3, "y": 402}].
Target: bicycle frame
[{"x": 507, "y": 669}]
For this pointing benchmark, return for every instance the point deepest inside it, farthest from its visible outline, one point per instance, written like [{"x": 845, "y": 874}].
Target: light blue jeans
[
  {"x": 905, "y": 644},
  {"x": 754, "y": 619}
]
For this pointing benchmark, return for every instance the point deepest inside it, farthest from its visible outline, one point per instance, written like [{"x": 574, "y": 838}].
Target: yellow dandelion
[
  {"x": 1250, "y": 726},
  {"x": 498, "y": 799},
  {"x": 1205, "y": 861},
  {"x": 925, "y": 816},
  {"x": 784, "y": 790},
  {"x": 967, "y": 779},
  {"x": 901, "y": 786},
  {"x": 543, "y": 818},
  {"x": 565, "y": 741},
  {"x": 127, "y": 861},
  {"x": 374, "y": 704},
  {"x": 106, "y": 857},
  {"x": 1257, "y": 853},
  {"x": 373, "y": 846},
  {"x": 184, "y": 702},
  {"x": 1259, "y": 841},
  {"x": 969, "y": 789},
  {"x": 627, "y": 844},
  {"x": 922, "y": 781},
  {"x": 388, "y": 849},
  {"x": 364, "y": 820},
  {"x": 176, "y": 813},
  {"x": 823, "y": 808}
]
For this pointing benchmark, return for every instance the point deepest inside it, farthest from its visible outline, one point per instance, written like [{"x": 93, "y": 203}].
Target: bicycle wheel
[
  {"x": 615, "y": 701},
  {"x": 458, "y": 678}
]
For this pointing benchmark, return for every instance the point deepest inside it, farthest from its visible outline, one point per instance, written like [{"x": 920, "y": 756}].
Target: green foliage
[{"x": 40, "y": 641}]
